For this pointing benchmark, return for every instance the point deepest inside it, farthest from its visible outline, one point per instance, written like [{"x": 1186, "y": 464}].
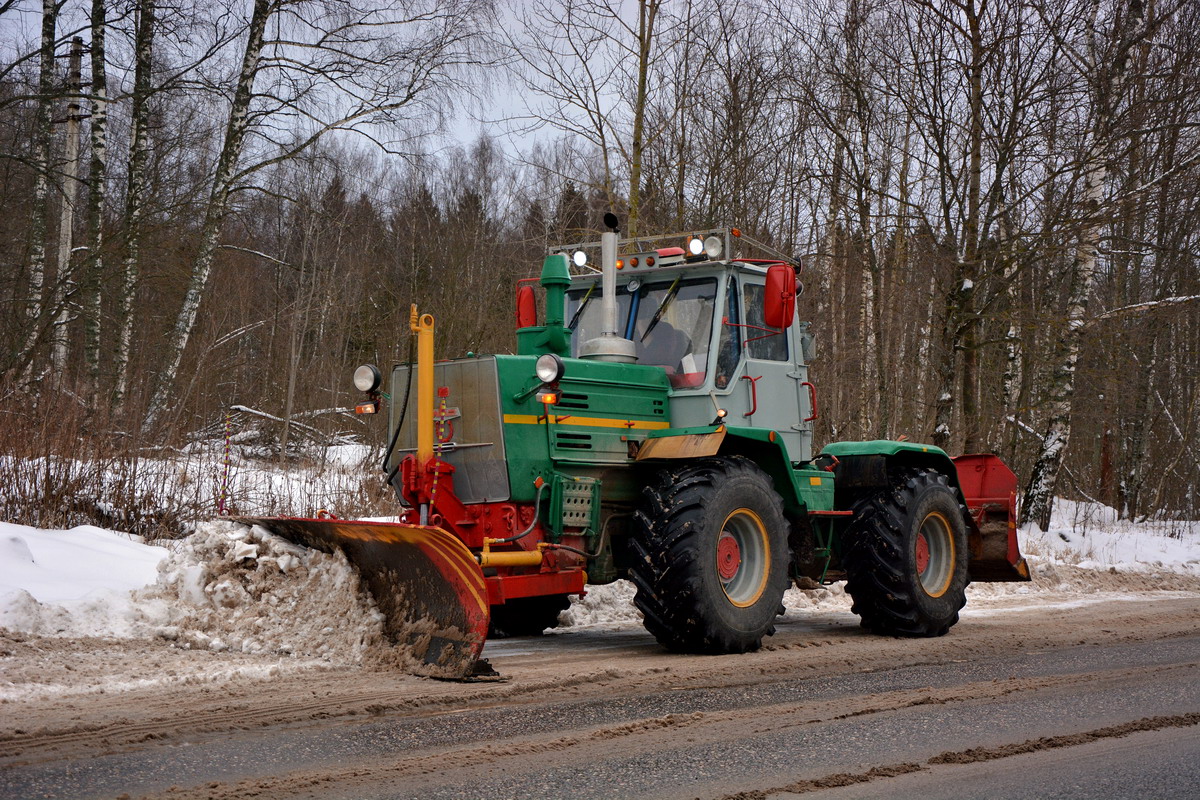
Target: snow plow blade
[
  {"x": 990, "y": 490},
  {"x": 424, "y": 581}
]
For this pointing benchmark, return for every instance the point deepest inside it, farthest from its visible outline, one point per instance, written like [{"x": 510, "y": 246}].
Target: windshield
[{"x": 669, "y": 320}]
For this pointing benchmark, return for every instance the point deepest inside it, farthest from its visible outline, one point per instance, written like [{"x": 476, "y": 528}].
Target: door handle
[{"x": 753, "y": 394}]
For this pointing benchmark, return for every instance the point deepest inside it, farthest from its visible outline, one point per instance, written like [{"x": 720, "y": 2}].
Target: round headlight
[
  {"x": 712, "y": 246},
  {"x": 367, "y": 378},
  {"x": 549, "y": 368},
  {"x": 695, "y": 246},
  {"x": 580, "y": 258}
]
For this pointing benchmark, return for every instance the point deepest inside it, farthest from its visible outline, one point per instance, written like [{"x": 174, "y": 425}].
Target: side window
[
  {"x": 730, "y": 344},
  {"x": 761, "y": 341}
]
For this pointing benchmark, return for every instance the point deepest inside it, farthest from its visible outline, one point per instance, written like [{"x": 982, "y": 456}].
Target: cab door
[{"x": 769, "y": 376}]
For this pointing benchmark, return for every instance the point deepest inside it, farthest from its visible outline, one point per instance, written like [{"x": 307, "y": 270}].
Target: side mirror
[
  {"x": 780, "y": 296},
  {"x": 526, "y": 307}
]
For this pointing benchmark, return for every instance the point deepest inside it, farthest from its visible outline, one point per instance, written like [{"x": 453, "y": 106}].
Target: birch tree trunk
[
  {"x": 94, "y": 266},
  {"x": 139, "y": 156},
  {"x": 135, "y": 198},
  {"x": 65, "y": 277},
  {"x": 41, "y": 187},
  {"x": 1039, "y": 495},
  {"x": 214, "y": 216},
  {"x": 1106, "y": 94}
]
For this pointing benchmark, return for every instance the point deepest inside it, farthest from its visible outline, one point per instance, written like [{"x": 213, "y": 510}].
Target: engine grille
[{"x": 471, "y": 436}]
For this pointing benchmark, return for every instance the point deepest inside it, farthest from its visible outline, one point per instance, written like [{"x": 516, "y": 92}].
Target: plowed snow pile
[
  {"x": 230, "y": 587},
  {"x": 226, "y": 587}
]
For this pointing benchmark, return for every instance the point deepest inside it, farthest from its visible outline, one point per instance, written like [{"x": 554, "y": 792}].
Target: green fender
[
  {"x": 864, "y": 464},
  {"x": 764, "y": 447}
]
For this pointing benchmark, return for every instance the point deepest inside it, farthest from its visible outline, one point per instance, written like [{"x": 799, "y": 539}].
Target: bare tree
[
  {"x": 135, "y": 195},
  {"x": 591, "y": 69},
  {"x": 35, "y": 310},
  {"x": 1106, "y": 64},
  {"x": 98, "y": 177},
  {"x": 334, "y": 67}
]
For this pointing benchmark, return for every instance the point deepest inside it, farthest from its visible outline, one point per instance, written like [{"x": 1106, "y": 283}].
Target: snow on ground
[
  {"x": 229, "y": 589},
  {"x": 150, "y": 493},
  {"x": 1089, "y": 536},
  {"x": 73, "y": 583}
]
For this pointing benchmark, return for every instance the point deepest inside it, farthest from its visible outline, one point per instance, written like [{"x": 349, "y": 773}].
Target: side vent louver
[
  {"x": 579, "y": 402},
  {"x": 573, "y": 441}
]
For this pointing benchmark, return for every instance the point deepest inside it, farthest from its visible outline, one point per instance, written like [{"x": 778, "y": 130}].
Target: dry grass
[{"x": 60, "y": 467}]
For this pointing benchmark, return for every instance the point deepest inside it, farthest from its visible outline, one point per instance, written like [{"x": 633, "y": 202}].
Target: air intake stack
[{"x": 609, "y": 345}]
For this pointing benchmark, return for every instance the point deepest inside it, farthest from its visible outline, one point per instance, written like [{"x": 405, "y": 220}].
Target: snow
[
  {"x": 75, "y": 582},
  {"x": 1090, "y": 536},
  {"x": 229, "y": 588}
]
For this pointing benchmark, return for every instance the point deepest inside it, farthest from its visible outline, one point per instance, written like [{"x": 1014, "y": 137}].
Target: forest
[{"x": 218, "y": 204}]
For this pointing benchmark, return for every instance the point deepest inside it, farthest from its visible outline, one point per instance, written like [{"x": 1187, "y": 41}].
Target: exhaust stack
[{"x": 609, "y": 345}]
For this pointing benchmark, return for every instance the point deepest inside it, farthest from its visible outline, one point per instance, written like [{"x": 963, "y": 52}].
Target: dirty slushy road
[{"x": 1100, "y": 696}]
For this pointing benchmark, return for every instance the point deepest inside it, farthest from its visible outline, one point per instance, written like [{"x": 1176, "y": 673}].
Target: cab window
[
  {"x": 670, "y": 321},
  {"x": 729, "y": 346},
  {"x": 767, "y": 344}
]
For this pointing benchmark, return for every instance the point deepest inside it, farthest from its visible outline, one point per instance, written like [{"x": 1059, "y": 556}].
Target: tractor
[{"x": 655, "y": 424}]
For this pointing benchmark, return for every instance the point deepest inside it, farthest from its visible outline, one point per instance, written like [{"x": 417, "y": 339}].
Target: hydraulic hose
[
  {"x": 537, "y": 507},
  {"x": 412, "y": 339}
]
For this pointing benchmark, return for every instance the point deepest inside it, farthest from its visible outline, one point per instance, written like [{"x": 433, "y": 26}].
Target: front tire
[
  {"x": 905, "y": 554},
  {"x": 710, "y": 566}
]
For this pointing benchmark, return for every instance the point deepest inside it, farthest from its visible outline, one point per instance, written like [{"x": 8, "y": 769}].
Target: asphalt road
[
  {"x": 1113, "y": 720},
  {"x": 1162, "y": 764}
]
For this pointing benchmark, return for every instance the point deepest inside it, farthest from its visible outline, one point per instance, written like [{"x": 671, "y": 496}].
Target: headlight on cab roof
[
  {"x": 367, "y": 378},
  {"x": 549, "y": 368}
]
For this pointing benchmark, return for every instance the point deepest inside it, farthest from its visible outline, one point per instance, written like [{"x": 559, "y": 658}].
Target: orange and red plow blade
[{"x": 425, "y": 581}]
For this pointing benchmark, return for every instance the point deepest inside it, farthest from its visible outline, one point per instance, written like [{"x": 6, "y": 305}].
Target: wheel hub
[
  {"x": 729, "y": 557},
  {"x": 922, "y": 554}
]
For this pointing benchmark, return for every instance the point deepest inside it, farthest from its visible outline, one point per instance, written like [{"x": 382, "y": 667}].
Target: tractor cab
[{"x": 723, "y": 329}]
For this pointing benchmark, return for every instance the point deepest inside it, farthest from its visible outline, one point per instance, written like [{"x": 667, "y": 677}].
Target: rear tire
[
  {"x": 527, "y": 616},
  {"x": 710, "y": 566},
  {"x": 905, "y": 553}
]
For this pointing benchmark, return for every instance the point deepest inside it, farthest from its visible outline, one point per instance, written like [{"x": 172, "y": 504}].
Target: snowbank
[
  {"x": 1089, "y": 536},
  {"x": 226, "y": 587},
  {"x": 75, "y": 582},
  {"x": 231, "y": 587}
]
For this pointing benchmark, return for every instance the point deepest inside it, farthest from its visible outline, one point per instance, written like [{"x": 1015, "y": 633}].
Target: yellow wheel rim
[
  {"x": 743, "y": 557},
  {"x": 935, "y": 555}
]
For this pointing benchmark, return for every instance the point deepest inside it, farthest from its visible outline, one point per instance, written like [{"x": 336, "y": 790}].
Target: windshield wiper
[
  {"x": 579, "y": 311},
  {"x": 662, "y": 307}
]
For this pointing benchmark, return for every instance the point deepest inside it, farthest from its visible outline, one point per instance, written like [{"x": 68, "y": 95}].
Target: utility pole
[{"x": 66, "y": 220}]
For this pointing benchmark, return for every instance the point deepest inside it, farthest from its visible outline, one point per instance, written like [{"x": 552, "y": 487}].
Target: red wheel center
[
  {"x": 729, "y": 557},
  {"x": 922, "y": 553}
]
